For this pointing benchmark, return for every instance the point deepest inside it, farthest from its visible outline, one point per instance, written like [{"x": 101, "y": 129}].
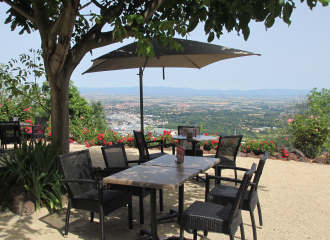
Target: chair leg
[
  {"x": 235, "y": 177},
  {"x": 66, "y": 229},
  {"x": 254, "y": 230},
  {"x": 92, "y": 216},
  {"x": 242, "y": 231},
  {"x": 130, "y": 216},
  {"x": 101, "y": 216},
  {"x": 217, "y": 181},
  {"x": 141, "y": 208},
  {"x": 161, "y": 201},
  {"x": 181, "y": 232},
  {"x": 259, "y": 213},
  {"x": 195, "y": 234},
  {"x": 205, "y": 233}
]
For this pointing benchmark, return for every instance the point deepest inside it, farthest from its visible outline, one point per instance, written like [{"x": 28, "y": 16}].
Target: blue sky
[{"x": 294, "y": 57}]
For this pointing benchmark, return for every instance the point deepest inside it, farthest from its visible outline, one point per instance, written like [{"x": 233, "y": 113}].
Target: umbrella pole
[{"x": 141, "y": 99}]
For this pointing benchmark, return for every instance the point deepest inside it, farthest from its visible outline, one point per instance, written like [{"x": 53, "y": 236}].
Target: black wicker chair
[
  {"x": 10, "y": 132},
  {"x": 38, "y": 129},
  {"x": 115, "y": 160},
  {"x": 214, "y": 217},
  {"x": 227, "y": 150},
  {"x": 141, "y": 144},
  {"x": 87, "y": 193},
  {"x": 225, "y": 195},
  {"x": 187, "y": 146}
]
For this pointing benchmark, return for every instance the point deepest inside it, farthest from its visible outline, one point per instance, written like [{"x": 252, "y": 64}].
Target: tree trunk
[{"x": 60, "y": 112}]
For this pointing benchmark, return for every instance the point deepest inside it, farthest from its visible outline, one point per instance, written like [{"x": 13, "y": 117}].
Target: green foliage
[
  {"x": 14, "y": 83},
  {"x": 310, "y": 129},
  {"x": 35, "y": 168}
]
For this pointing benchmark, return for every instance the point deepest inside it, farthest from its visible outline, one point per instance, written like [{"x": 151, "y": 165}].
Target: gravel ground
[{"x": 294, "y": 199}]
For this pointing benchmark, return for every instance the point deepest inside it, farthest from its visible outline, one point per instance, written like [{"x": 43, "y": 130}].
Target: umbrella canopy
[{"x": 195, "y": 55}]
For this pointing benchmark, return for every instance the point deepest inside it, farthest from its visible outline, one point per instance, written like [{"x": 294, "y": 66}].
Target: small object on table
[{"x": 180, "y": 155}]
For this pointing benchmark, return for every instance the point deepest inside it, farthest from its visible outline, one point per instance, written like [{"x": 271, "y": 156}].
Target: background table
[{"x": 196, "y": 139}]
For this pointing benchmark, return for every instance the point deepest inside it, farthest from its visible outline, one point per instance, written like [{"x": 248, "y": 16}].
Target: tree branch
[
  {"x": 20, "y": 10},
  {"x": 57, "y": 59},
  {"x": 149, "y": 12},
  {"x": 97, "y": 3},
  {"x": 108, "y": 15},
  {"x": 86, "y": 5},
  {"x": 54, "y": 30}
]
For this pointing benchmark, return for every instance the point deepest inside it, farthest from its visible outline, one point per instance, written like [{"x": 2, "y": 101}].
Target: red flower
[
  {"x": 257, "y": 148},
  {"x": 70, "y": 140},
  {"x": 50, "y": 133},
  {"x": 247, "y": 147},
  {"x": 82, "y": 117},
  {"x": 206, "y": 134},
  {"x": 284, "y": 151},
  {"x": 216, "y": 134},
  {"x": 110, "y": 143},
  {"x": 271, "y": 141},
  {"x": 244, "y": 151},
  {"x": 154, "y": 139},
  {"x": 177, "y": 141},
  {"x": 261, "y": 144},
  {"x": 150, "y": 133}
]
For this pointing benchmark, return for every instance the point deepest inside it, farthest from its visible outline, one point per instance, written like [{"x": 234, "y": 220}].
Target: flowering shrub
[
  {"x": 210, "y": 145},
  {"x": 258, "y": 147},
  {"x": 308, "y": 133}
]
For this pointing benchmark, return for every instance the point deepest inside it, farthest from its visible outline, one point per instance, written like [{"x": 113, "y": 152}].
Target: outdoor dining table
[
  {"x": 202, "y": 164},
  {"x": 153, "y": 177},
  {"x": 194, "y": 140}
]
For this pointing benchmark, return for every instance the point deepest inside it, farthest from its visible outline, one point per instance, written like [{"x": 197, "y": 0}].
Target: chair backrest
[
  {"x": 257, "y": 174},
  {"x": 141, "y": 145},
  {"x": 237, "y": 204},
  {"x": 42, "y": 121},
  {"x": 10, "y": 132},
  {"x": 228, "y": 147},
  {"x": 115, "y": 156},
  {"x": 77, "y": 165},
  {"x": 184, "y": 143}
]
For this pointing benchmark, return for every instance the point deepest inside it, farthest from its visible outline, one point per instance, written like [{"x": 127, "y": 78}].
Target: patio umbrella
[{"x": 195, "y": 55}]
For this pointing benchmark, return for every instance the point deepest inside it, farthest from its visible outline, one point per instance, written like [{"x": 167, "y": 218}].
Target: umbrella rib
[{"x": 192, "y": 62}]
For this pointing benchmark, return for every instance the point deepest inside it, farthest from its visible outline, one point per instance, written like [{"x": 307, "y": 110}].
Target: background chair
[
  {"x": 86, "y": 193},
  {"x": 187, "y": 145},
  {"x": 225, "y": 195},
  {"x": 141, "y": 144},
  {"x": 38, "y": 129},
  {"x": 115, "y": 160},
  {"x": 217, "y": 218},
  {"x": 227, "y": 150},
  {"x": 10, "y": 133}
]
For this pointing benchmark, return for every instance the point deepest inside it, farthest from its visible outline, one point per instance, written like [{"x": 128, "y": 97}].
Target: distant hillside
[{"x": 197, "y": 92}]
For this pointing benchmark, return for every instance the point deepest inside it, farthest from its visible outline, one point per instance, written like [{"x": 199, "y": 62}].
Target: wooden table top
[
  {"x": 152, "y": 177},
  {"x": 200, "y": 163}
]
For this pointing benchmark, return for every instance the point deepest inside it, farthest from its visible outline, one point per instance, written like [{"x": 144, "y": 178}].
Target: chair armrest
[
  {"x": 97, "y": 182},
  {"x": 136, "y": 161},
  {"x": 160, "y": 141},
  {"x": 232, "y": 167},
  {"x": 223, "y": 178}
]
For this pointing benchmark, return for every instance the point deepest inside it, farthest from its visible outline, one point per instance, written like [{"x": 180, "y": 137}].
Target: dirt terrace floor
[{"x": 294, "y": 199}]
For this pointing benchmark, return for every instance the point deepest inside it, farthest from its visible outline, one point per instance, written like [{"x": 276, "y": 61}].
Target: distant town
[{"x": 250, "y": 116}]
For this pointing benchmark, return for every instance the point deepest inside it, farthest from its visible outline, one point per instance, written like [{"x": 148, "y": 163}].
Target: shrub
[
  {"x": 308, "y": 133},
  {"x": 258, "y": 147},
  {"x": 35, "y": 168}
]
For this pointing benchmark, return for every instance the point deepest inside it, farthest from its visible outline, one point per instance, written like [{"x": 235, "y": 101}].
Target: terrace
[{"x": 294, "y": 199}]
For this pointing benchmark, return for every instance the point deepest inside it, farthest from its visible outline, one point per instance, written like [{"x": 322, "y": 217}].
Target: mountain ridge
[{"x": 149, "y": 91}]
